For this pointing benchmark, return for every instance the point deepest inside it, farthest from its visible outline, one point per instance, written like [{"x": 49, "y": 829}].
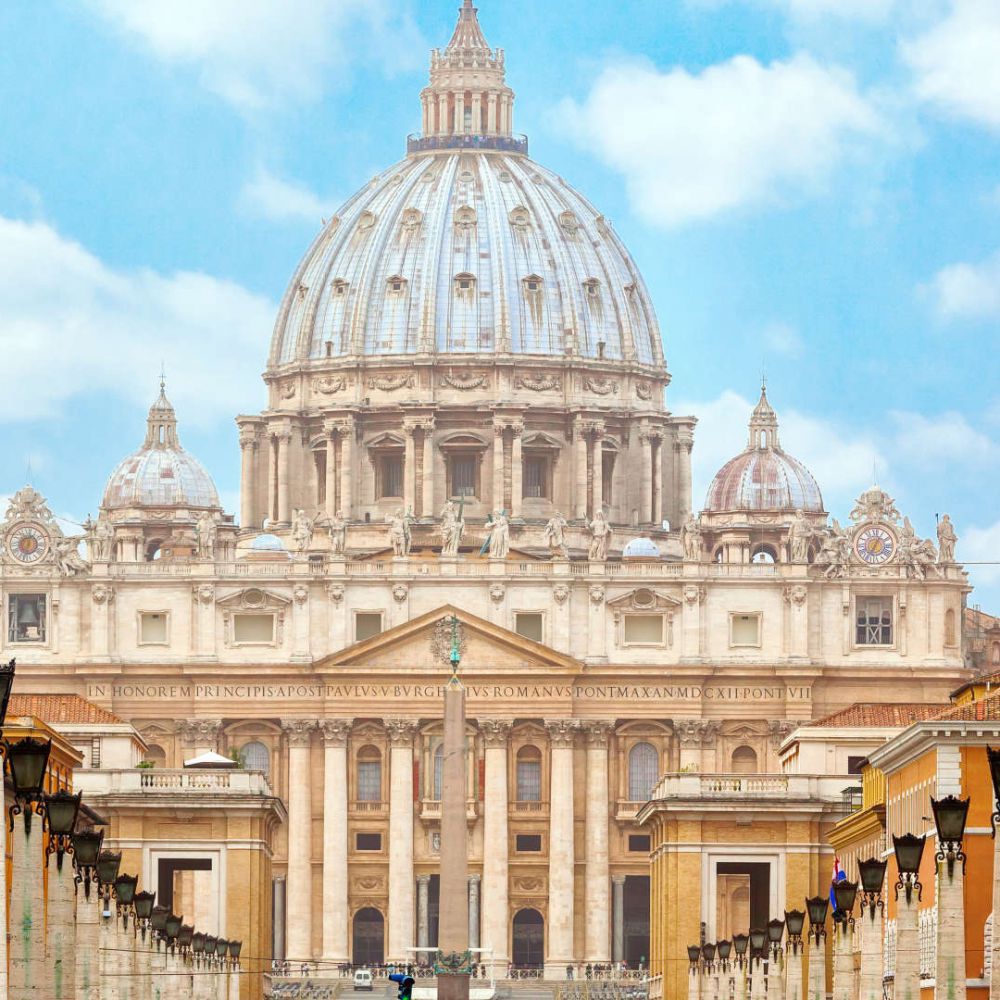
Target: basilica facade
[{"x": 468, "y": 417}]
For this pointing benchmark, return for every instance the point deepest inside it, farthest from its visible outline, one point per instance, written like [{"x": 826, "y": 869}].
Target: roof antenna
[
  {"x": 28, "y": 473},
  {"x": 875, "y": 472}
]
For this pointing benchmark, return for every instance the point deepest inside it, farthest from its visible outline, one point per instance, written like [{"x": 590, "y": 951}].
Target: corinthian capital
[
  {"x": 696, "y": 732},
  {"x": 298, "y": 731},
  {"x": 562, "y": 732},
  {"x": 401, "y": 731},
  {"x": 335, "y": 731},
  {"x": 195, "y": 731},
  {"x": 597, "y": 731},
  {"x": 495, "y": 732}
]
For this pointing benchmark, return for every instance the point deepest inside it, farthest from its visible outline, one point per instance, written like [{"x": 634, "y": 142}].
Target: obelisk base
[{"x": 453, "y": 986}]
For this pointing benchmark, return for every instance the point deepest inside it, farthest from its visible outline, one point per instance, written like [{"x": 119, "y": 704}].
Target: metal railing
[{"x": 501, "y": 143}]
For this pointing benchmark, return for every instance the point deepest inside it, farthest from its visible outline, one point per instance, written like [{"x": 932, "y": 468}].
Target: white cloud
[
  {"x": 255, "y": 53},
  {"x": 956, "y": 63},
  {"x": 946, "y": 439},
  {"x": 981, "y": 545},
  {"x": 967, "y": 291},
  {"x": 71, "y": 324},
  {"x": 740, "y": 133},
  {"x": 272, "y": 198},
  {"x": 809, "y": 10},
  {"x": 780, "y": 338}
]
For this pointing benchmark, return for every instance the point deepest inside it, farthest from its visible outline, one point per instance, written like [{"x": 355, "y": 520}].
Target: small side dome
[
  {"x": 641, "y": 548},
  {"x": 267, "y": 543},
  {"x": 160, "y": 473},
  {"x": 266, "y": 548},
  {"x": 764, "y": 477}
]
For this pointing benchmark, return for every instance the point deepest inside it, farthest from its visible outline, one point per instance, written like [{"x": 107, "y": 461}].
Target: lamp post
[
  {"x": 143, "y": 908},
  {"x": 234, "y": 978},
  {"x": 86, "y": 960},
  {"x": 61, "y": 809},
  {"x": 158, "y": 958},
  {"x": 993, "y": 758},
  {"x": 185, "y": 938},
  {"x": 816, "y": 907},
  {"x": 694, "y": 973},
  {"x": 950, "y": 814},
  {"x": 6, "y": 682},
  {"x": 908, "y": 849},
  {"x": 725, "y": 949},
  {"x": 108, "y": 863},
  {"x": 758, "y": 951},
  {"x": 872, "y": 874},
  {"x": 740, "y": 942},
  {"x": 775, "y": 973},
  {"x": 172, "y": 963},
  {"x": 794, "y": 921},
  {"x": 708, "y": 987},
  {"x": 222, "y": 965},
  {"x": 28, "y": 760},
  {"x": 844, "y": 894},
  {"x": 123, "y": 936}
]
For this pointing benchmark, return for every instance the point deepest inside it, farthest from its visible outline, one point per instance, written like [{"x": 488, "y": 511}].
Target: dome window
[
  {"x": 397, "y": 284},
  {"x": 569, "y": 223},
  {"x": 533, "y": 283},
  {"x": 592, "y": 287},
  {"x": 519, "y": 218},
  {"x": 339, "y": 287},
  {"x": 465, "y": 283}
]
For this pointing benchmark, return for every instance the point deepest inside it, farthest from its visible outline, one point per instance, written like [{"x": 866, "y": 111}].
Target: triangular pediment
[{"x": 416, "y": 646}]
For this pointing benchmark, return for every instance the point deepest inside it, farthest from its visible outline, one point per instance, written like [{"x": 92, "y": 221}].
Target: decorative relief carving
[
  {"x": 441, "y": 641},
  {"x": 102, "y": 594},
  {"x": 529, "y": 883},
  {"x": 199, "y": 731},
  {"x": 300, "y": 593},
  {"x": 329, "y": 384},
  {"x": 390, "y": 383},
  {"x": 562, "y": 732},
  {"x": 693, "y": 594},
  {"x": 335, "y": 591},
  {"x": 796, "y": 594},
  {"x": 497, "y": 593},
  {"x": 597, "y": 731},
  {"x": 643, "y": 390},
  {"x": 495, "y": 732},
  {"x": 537, "y": 383},
  {"x": 335, "y": 731},
  {"x": 780, "y": 729},
  {"x": 696, "y": 732},
  {"x": 560, "y": 592},
  {"x": 298, "y": 731},
  {"x": 204, "y": 593},
  {"x": 600, "y": 386},
  {"x": 596, "y": 594},
  {"x": 400, "y": 592},
  {"x": 474, "y": 380},
  {"x": 287, "y": 390},
  {"x": 369, "y": 883}
]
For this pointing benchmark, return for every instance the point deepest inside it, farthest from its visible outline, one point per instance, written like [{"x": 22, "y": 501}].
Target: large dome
[
  {"x": 160, "y": 473},
  {"x": 764, "y": 477}
]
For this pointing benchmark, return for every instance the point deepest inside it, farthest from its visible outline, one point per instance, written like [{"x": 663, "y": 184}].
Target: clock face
[
  {"x": 875, "y": 545},
  {"x": 27, "y": 543}
]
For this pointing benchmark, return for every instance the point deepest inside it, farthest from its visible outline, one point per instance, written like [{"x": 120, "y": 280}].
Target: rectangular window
[
  {"x": 153, "y": 628},
  {"x": 535, "y": 482},
  {"x": 607, "y": 477},
  {"x": 529, "y": 780},
  {"x": 744, "y": 630},
  {"x": 463, "y": 475},
  {"x": 529, "y": 624},
  {"x": 643, "y": 630},
  {"x": 390, "y": 482},
  {"x": 253, "y": 629},
  {"x": 528, "y": 843},
  {"x": 367, "y": 624},
  {"x": 26, "y": 618},
  {"x": 874, "y": 624},
  {"x": 638, "y": 842},
  {"x": 369, "y": 780},
  {"x": 368, "y": 841},
  {"x": 854, "y": 764},
  {"x": 95, "y": 753}
]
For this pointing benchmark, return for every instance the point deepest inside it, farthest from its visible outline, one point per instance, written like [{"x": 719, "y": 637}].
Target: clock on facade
[
  {"x": 27, "y": 543},
  {"x": 875, "y": 544}
]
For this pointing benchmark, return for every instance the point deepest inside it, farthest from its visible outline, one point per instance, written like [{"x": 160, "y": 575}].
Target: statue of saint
[
  {"x": 554, "y": 535},
  {"x": 302, "y": 531},
  {"x": 337, "y": 527},
  {"x": 946, "y": 540},
  {"x": 499, "y": 537},
  {"x": 452, "y": 528},
  {"x": 67, "y": 555},
  {"x": 799, "y": 533},
  {"x": 691, "y": 538},
  {"x": 599, "y": 532},
  {"x": 835, "y": 552},
  {"x": 207, "y": 529},
  {"x": 399, "y": 532}
]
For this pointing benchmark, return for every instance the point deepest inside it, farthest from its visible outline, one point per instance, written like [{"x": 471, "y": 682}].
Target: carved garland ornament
[
  {"x": 601, "y": 386},
  {"x": 541, "y": 383},
  {"x": 464, "y": 382},
  {"x": 400, "y": 592},
  {"x": 102, "y": 594},
  {"x": 643, "y": 390},
  {"x": 390, "y": 383},
  {"x": 560, "y": 592},
  {"x": 329, "y": 384},
  {"x": 497, "y": 593}
]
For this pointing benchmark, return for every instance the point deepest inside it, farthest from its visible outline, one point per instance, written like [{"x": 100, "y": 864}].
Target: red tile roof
[
  {"x": 868, "y": 715},
  {"x": 984, "y": 710},
  {"x": 975, "y": 618},
  {"x": 56, "y": 708}
]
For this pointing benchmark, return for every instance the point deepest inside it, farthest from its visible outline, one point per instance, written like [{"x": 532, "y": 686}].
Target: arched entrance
[
  {"x": 369, "y": 937},
  {"x": 529, "y": 939}
]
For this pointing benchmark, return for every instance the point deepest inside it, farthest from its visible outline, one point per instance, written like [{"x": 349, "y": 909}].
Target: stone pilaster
[
  {"x": 817, "y": 969},
  {"x": 336, "y": 917},
  {"x": 597, "y": 892},
  {"x": 906, "y": 983},
  {"x": 496, "y": 733},
  {"x": 474, "y": 881},
  {"x": 950, "y": 976},
  {"x": 199, "y": 736},
  {"x": 400, "y": 930},
  {"x": 618, "y": 917},
  {"x": 87, "y": 959},
  {"x": 28, "y": 979},
  {"x": 580, "y": 461},
  {"x": 562, "y": 852},
  {"x": 793, "y": 972},
  {"x": 298, "y": 921},
  {"x": 423, "y": 915},
  {"x": 60, "y": 937},
  {"x": 871, "y": 927},
  {"x": 843, "y": 961}
]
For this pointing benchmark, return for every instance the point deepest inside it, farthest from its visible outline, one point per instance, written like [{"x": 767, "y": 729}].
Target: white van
[{"x": 363, "y": 980}]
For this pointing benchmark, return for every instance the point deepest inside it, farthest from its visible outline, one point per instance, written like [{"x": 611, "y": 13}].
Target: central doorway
[
  {"x": 529, "y": 939},
  {"x": 369, "y": 937}
]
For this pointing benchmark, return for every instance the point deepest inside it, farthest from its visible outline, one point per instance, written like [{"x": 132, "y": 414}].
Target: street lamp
[
  {"x": 125, "y": 886},
  {"x": 86, "y": 850},
  {"x": 708, "y": 953},
  {"x": 184, "y": 936},
  {"x": 234, "y": 950},
  {"x": 171, "y": 928},
  {"x": 872, "y": 874},
  {"x": 6, "y": 683},
  {"x": 694, "y": 953},
  {"x": 108, "y": 863},
  {"x": 909, "y": 849},
  {"x": 817, "y": 907},
  {"x": 28, "y": 760},
  {"x": 758, "y": 935},
  {"x": 794, "y": 921},
  {"x": 775, "y": 930},
  {"x": 143, "y": 906},
  {"x": 197, "y": 944},
  {"x": 844, "y": 894},
  {"x": 61, "y": 809},
  {"x": 725, "y": 949},
  {"x": 740, "y": 942},
  {"x": 950, "y": 814}
]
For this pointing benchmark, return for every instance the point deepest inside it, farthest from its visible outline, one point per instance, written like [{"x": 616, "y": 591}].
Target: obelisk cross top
[{"x": 455, "y": 656}]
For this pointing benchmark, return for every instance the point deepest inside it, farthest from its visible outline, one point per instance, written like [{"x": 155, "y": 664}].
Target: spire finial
[{"x": 163, "y": 378}]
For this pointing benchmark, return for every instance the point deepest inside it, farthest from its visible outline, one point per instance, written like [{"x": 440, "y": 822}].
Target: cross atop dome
[
  {"x": 763, "y": 423},
  {"x": 161, "y": 423}
]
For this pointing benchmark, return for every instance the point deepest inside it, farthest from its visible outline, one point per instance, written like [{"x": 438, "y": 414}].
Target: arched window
[
  {"x": 949, "y": 627},
  {"x": 744, "y": 760},
  {"x": 369, "y": 774},
  {"x": 643, "y": 768},
  {"x": 529, "y": 774},
  {"x": 156, "y": 755},
  {"x": 256, "y": 757},
  {"x": 438, "y": 770},
  {"x": 763, "y": 554}
]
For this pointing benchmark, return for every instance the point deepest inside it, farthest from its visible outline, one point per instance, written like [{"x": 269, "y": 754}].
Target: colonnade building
[{"x": 467, "y": 416}]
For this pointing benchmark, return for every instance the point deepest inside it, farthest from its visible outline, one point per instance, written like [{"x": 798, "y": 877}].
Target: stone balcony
[
  {"x": 368, "y": 809},
  {"x": 170, "y": 781},
  {"x": 430, "y": 809},
  {"x": 529, "y": 810}
]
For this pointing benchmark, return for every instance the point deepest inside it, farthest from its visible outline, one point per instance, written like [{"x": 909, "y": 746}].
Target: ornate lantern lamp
[
  {"x": 740, "y": 942},
  {"x": 993, "y": 757},
  {"x": 817, "y": 907},
  {"x": 725, "y": 949},
  {"x": 197, "y": 944},
  {"x": 844, "y": 894},
  {"x": 143, "y": 905},
  {"x": 171, "y": 928},
  {"x": 235, "y": 947},
  {"x": 872, "y": 874},
  {"x": 758, "y": 935},
  {"x": 28, "y": 760},
  {"x": 86, "y": 850},
  {"x": 184, "y": 938},
  {"x": 158, "y": 924},
  {"x": 694, "y": 953},
  {"x": 61, "y": 809},
  {"x": 794, "y": 921},
  {"x": 210, "y": 943},
  {"x": 6, "y": 683},
  {"x": 708, "y": 954},
  {"x": 909, "y": 849},
  {"x": 108, "y": 863},
  {"x": 950, "y": 814},
  {"x": 222, "y": 950},
  {"x": 775, "y": 931},
  {"x": 125, "y": 886}
]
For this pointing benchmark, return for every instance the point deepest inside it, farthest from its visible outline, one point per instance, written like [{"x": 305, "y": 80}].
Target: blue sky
[{"x": 810, "y": 187}]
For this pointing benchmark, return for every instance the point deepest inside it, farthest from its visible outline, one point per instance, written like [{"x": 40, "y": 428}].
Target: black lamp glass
[
  {"x": 740, "y": 942},
  {"x": 143, "y": 903},
  {"x": 872, "y": 874},
  {"x": 817, "y": 907},
  {"x": 28, "y": 759},
  {"x": 708, "y": 952},
  {"x": 725, "y": 950},
  {"x": 184, "y": 936},
  {"x": 158, "y": 919},
  {"x": 757, "y": 938},
  {"x": 125, "y": 889},
  {"x": 108, "y": 863},
  {"x": 950, "y": 814},
  {"x": 794, "y": 920},
  {"x": 222, "y": 947},
  {"x": 235, "y": 947},
  {"x": 61, "y": 808},
  {"x": 87, "y": 847},
  {"x": 198, "y": 942},
  {"x": 909, "y": 850},
  {"x": 694, "y": 953},
  {"x": 775, "y": 930},
  {"x": 6, "y": 683},
  {"x": 210, "y": 943},
  {"x": 172, "y": 925},
  {"x": 844, "y": 894}
]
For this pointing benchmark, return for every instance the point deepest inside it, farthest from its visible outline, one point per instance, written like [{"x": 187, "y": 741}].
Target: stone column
[
  {"x": 950, "y": 961},
  {"x": 516, "y": 470},
  {"x": 495, "y": 874},
  {"x": 871, "y": 927},
  {"x": 330, "y": 485},
  {"x": 87, "y": 957},
  {"x": 597, "y": 935},
  {"x": 793, "y": 971},
  {"x": 347, "y": 468},
  {"x": 843, "y": 961},
  {"x": 597, "y": 473},
  {"x": 28, "y": 980},
  {"x": 580, "y": 460},
  {"x": 400, "y": 928},
  {"x": 682, "y": 463},
  {"x": 336, "y": 916},
  {"x": 817, "y": 969},
  {"x": 427, "y": 491},
  {"x": 443, "y": 128},
  {"x": 477, "y": 113},
  {"x": 280, "y": 911},
  {"x": 248, "y": 478},
  {"x": 283, "y": 441},
  {"x": 498, "y": 429},
  {"x": 474, "y": 913},
  {"x": 273, "y": 454},
  {"x": 409, "y": 468},
  {"x": 656, "y": 456},
  {"x": 459, "y": 114},
  {"x": 618, "y": 918},
  {"x": 298, "y": 923},
  {"x": 60, "y": 928},
  {"x": 423, "y": 915},
  {"x": 645, "y": 478},
  {"x": 562, "y": 852},
  {"x": 906, "y": 984}
]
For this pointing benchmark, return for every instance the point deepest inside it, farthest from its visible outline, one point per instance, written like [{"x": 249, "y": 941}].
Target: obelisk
[{"x": 453, "y": 923}]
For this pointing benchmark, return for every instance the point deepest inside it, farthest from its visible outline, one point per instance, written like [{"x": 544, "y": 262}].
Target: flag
[{"x": 839, "y": 875}]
